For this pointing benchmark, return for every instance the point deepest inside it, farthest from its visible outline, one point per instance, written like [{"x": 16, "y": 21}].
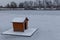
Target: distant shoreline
[{"x": 6, "y": 9}]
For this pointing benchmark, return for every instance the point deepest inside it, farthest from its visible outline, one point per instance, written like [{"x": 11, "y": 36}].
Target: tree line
[
  {"x": 12, "y": 5},
  {"x": 33, "y": 5}
]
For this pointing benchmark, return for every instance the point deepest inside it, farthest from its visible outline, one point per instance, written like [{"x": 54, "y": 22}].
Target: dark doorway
[{"x": 25, "y": 25}]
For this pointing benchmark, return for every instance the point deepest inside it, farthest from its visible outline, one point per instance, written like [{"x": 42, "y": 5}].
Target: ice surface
[
  {"x": 48, "y": 23},
  {"x": 27, "y": 32}
]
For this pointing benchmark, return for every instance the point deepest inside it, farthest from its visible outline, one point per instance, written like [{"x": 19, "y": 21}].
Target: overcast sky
[{"x": 4, "y": 2}]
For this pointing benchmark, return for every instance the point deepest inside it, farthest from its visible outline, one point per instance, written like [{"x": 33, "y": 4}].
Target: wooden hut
[{"x": 20, "y": 24}]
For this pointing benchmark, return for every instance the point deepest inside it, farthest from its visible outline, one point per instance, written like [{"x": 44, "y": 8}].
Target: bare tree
[
  {"x": 39, "y": 2},
  {"x": 44, "y": 3},
  {"x": 35, "y": 5},
  {"x": 56, "y": 1},
  {"x": 51, "y": 4},
  {"x": 21, "y": 5},
  {"x": 13, "y": 5},
  {"x": 25, "y": 5},
  {"x": 31, "y": 4},
  {"x": 28, "y": 4},
  {"x": 58, "y": 4},
  {"x": 7, "y": 6}
]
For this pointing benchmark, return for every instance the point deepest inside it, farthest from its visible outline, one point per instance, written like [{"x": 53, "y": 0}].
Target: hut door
[{"x": 25, "y": 25}]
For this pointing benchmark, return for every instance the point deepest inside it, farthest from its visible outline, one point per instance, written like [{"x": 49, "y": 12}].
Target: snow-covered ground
[{"x": 48, "y": 23}]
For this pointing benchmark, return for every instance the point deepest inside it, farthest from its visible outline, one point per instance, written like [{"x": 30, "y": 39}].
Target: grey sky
[{"x": 4, "y": 2}]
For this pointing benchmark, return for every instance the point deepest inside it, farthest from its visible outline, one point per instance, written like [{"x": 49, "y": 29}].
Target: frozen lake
[
  {"x": 48, "y": 23},
  {"x": 33, "y": 12}
]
